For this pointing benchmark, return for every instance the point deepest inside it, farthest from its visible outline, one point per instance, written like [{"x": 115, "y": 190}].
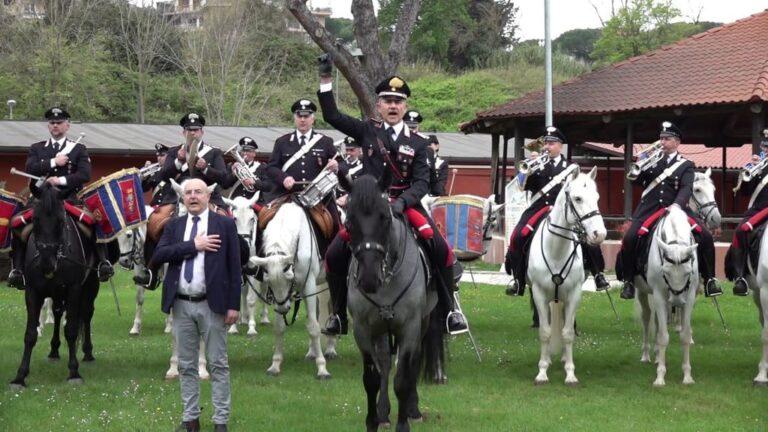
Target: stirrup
[
  {"x": 23, "y": 279},
  {"x": 108, "y": 271},
  {"x": 462, "y": 319},
  {"x": 740, "y": 293},
  {"x": 717, "y": 290}
]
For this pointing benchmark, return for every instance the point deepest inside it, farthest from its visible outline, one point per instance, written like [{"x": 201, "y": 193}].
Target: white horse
[
  {"x": 702, "y": 200},
  {"x": 670, "y": 280},
  {"x": 292, "y": 269},
  {"x": 131, "y": 244},
  {"x": 555, "y": 269},
  {"x": 245, "y": 219},
  {"x": 757, "y": 279}
]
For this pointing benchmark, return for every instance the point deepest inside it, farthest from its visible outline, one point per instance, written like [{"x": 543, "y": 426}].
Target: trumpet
[
  {"x": 242, "y": 172},
  {"x": 646, "y": 160},
  {"x": 531, "y": 165},
  {"x": 150, "y": 170},
  {"x": 750, "y": 171}
]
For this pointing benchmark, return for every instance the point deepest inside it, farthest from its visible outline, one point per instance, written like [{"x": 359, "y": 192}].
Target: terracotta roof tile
[{"x": 726, "y": 64}]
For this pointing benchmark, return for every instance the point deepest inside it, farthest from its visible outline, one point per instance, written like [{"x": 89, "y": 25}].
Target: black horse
[
  {"x": 391, "y": 304},
  {"x": 59, "y": 263}
]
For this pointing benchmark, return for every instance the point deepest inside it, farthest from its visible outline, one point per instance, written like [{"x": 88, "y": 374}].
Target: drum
[
  {"x": 116, "y": 202},
  {"x": 459, "y": 219},
  {"x": 10, "y": 204},
  {"x": 322, "y": 186}
]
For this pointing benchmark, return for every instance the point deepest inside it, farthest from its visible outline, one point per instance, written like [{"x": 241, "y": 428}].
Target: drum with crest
[
  {"x": 322, "y": 186},
  {"x": 459, "y": 219},
  {"x": 116, "y": 203},
  {"x": 10, "y": 204}
]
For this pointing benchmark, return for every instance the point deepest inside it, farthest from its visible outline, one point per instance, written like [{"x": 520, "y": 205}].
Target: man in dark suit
[
  {"x": 65, "y": 164},
  {"x": 668, "y": 183},
  {"x": 438, "y": 169},
  {"x": 387, "y": 144},
  {"x": 202, "y": 286}
]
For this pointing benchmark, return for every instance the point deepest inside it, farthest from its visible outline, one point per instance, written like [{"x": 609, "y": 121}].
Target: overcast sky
[{"x": 572, "y": 14}]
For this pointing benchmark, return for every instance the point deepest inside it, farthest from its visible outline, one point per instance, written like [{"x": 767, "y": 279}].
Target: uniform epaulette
[{"x": 426, "y": 137}]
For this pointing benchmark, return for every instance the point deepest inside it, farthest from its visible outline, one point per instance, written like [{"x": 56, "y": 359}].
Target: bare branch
[{"x": 405, "y": 22}]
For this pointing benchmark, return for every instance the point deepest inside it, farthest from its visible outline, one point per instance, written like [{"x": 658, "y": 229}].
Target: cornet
[
  {"x": 242, "y": 172},
  {"x": 531, "y": 165},
  {"x": 750, "y": 171},
  {"x": 150, "y": 170},
  {"x": 646, "y": 160}
]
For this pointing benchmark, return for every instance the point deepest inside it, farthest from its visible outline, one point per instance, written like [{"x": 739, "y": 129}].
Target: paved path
[{"x": 501, "y": 278}]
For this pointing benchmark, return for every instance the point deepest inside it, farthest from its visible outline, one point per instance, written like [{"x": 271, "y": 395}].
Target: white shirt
[
  {"x": 306, "y": 135},
  {"x": 671, "y": 157},
  {"x": 397, "y": 127},
  {"x": 556, "y": 161},
  {"x": 197, "y": 286},
  {"x": 60, "y": 145}
]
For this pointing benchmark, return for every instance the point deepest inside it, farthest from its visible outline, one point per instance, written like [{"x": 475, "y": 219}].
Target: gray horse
[{"x": 391, "y": 307}]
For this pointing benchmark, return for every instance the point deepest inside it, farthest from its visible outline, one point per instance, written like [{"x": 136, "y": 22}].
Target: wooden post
[
  {"x": 494, "y": 163},
  {"x": 722, "y": 177},
  {"x": 628, "y": 147},
  {"x": 518, "y": 151},
  {"x": 758, "y": 124}
]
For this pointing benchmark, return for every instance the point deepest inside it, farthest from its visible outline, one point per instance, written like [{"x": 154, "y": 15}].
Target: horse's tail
[
  {"x": 556, "y": 313},
  {"x": 433, "y": 344}
]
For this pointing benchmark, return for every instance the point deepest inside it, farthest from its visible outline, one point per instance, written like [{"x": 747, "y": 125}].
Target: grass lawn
[{"x": 124, "y": 389}]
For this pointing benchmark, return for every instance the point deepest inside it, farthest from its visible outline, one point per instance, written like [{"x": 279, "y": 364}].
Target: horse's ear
[
  {"x": 177, "y": 188},
  {"x": 212, "y": 187},
  {"x": 575, "y": 173},
  {"x": 708, "y": 172},
  {"x": 229, "y": 202},
  {"x": 593, "y": 173},
  {"x": 253, "y": 199},
  {"x": 257, "y": 261},
  {"x": 386, "y": 179}
]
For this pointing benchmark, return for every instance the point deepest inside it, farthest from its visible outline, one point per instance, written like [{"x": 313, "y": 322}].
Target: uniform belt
[{"x": 193, "y": 299}]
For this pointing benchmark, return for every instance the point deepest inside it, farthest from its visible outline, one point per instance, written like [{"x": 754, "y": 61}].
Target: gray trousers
[{"x": 191, "y": 321}]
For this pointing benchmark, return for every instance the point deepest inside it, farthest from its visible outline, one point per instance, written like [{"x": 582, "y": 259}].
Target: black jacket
[
  {"x": 77, "y": 172},
  {"x": 160, "y": 188},
  {"x": 304, "y": 169},
  {"x": 748, "y": 188},
  {"x": 675, "y": 189},
  {"x": 408, "y": 153},
  {"x": 215, "y": 173},
  {"x": 536, "y": 181},
  {"x": 438, "y": 174}
]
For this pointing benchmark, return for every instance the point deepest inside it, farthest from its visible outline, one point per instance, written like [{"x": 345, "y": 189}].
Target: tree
[
  {"x": 456, "y": 33},
  {"x": 637, "y": 27},
  {"x": 578, "y": 43},
  {"x": 362, "y": 73},
  {"x": 144, "y": 34},
  {"x": 341, "y": 28}
]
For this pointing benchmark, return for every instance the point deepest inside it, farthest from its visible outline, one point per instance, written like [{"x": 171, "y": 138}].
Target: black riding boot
[
  {"x": 456, "y": 322},
  {"x": 16, "y": 277},
  {"x": 738, "y": 258},
  {"x": 104, "y": 269},
  {"x": 337, "y": 322}
]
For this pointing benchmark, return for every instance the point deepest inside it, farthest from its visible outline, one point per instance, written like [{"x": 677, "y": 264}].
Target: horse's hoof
[
  {"x": 323, "y": 377},
  {"x": 53, "y": 359},
  {"x": 252, "y": 332},
  {"x": 272, "y": 373},
  {"x": 757, "y": 383},
  {"x": 310, "y": 357},
  {"x": 16, "y": 387},
  {"x": 167, "y": 330},
  {"x": 540, "y": 382},
  {"x": 171, "y": 377},
  {"x": 659, "y": 383},
  {"x": 689, "y": 382},
  {"x": 204, "y": 377},
  {"x": 330, "y": 355},
  {"x": 419, "y": 419},
  {"x": 385, "y": 425},
  {"x": 75, "y": 381},
  {"x": 133, "y": 333},
  {"x": 572, "y": 384},
  {"x": 89, "y": 358}
]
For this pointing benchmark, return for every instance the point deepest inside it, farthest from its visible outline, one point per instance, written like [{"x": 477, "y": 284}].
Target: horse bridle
[
  {"x": 701, "y": 208},
  {"x": 135, "y": 253},
  {"x": 579, "y": 230},
  {"x": 666, "y": 258}
]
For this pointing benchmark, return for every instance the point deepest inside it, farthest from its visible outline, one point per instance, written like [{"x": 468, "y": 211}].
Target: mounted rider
[
  {"x": 752, "y": 182},
  {"x": 544, "y": 184},
  {"x": 667, "y": 183},
  {"x": 258, "y": 171},
  {"x": 208, "y": 166},
  {"x": 65, "y": 164},
  {"x": 438, "y": 168},
  {"x": 153, "y": 181},
  {"x": 388, "y": 144}
]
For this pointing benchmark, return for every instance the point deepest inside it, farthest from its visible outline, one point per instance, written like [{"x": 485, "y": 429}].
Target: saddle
[
  {"x": 644, "y": 240},
  {"x": 158, "y": 219},
  {"x": 22, "y": 222},
  {"x": 320, "y": 216}
]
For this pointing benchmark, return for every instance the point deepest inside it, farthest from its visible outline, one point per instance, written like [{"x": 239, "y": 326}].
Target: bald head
[{"x": 196, "y": 195}]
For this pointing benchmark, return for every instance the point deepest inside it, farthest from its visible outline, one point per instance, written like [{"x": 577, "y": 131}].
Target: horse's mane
[
  {"x": 366, "y": 196},
  {"x": 676, "y": 226},
  {"x": 49, "y": 206}
]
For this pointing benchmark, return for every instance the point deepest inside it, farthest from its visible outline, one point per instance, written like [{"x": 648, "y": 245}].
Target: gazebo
[{"x": 713, "y": 85}]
